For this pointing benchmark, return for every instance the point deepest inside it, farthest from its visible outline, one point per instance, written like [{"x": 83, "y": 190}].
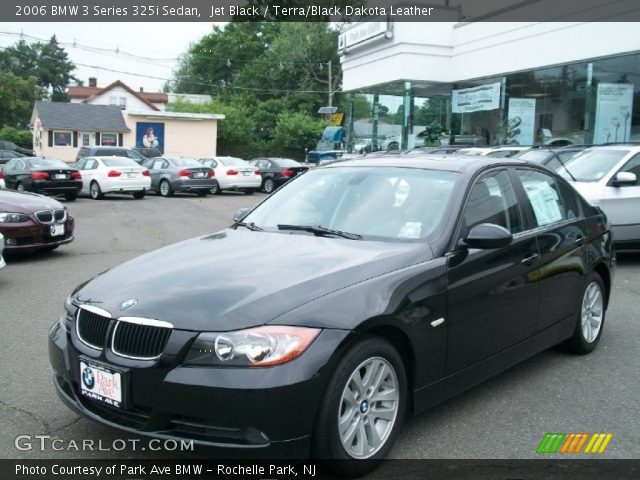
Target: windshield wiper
[
  {"x": 564, "y": 166},
  {"x": 321, "y": 231},
  {"x": 250, "y": 225}
]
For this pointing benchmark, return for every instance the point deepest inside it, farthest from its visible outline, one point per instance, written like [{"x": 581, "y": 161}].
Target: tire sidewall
[
  {"x": 326, "y": 440},
  {"x": 94, "y": 191},
  {"x": 168, "y": 188},
  {"x": 272, "y": 184}
]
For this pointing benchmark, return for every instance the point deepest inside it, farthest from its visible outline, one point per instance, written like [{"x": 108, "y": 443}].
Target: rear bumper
[
  {"x": 48, "y": 187},
  {"x": 125, "y": 186},
  {"x": 241, "y": 182},
  {"x": 192, "y": 185}
]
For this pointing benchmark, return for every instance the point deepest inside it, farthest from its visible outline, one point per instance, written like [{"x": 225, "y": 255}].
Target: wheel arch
[{"x": 603, "y": 271}]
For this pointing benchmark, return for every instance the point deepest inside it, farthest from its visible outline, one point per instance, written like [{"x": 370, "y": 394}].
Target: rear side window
[{"x": 550, "y": 201}]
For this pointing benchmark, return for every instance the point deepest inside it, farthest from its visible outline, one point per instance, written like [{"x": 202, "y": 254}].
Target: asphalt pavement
[{"x": 505, "y": 417}]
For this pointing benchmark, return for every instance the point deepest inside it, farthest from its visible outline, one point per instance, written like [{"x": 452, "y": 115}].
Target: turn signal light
[
  {"x": 39, "y": 175},
  {"x": 114, "y": 173}
]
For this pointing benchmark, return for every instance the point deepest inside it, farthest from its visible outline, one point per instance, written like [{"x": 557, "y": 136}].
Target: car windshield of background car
[
  {"x": 119, "y": 162},
  {"x": 48, "y": 163},
  {"x": 233, "y": 161},
  {"x": 389, "y": 204},
  {"x": 591, "y": 166},
  {"x": 186, "y": 162}
]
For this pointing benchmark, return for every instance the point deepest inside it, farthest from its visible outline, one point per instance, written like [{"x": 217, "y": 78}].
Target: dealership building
[{"x": 494, "y": 82}]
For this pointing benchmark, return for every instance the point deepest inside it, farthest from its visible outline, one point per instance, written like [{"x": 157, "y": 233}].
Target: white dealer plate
[{"x": 100, "y": 383}]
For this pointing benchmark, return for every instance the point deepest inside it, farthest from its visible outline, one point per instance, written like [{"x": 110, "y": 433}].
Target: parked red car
[{"x": 33, "y": 222}]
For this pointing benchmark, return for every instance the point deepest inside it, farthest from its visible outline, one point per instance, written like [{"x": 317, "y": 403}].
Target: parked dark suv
[
  {"x": 148, "y": 152},
  {"x": 7, "y": 145},
  {"x": 109, "y": 152}
]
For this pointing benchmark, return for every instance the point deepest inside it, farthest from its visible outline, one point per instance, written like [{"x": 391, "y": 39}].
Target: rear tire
[
  {"x": 362, "y": 409},
  {"x": 269, "y": 185},
  {"x": 70, "y": 197},
  {"x": 165, "y": 189},
  {"x": 20, "y": 187},
  {"x": 591, "y": 315},
  {"x": 139, "y": 195},
  {"x": 215, "y": 190},
  {"x": 202, "y": 193},
  {"x": 95, "y": 191}
]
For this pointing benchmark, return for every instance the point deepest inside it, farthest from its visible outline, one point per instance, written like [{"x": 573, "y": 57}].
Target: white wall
[
  {"x": 448, "y": 52},
  {"x": 133, "y": 103}
]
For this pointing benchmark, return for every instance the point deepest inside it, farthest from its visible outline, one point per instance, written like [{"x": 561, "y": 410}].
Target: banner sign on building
[
  {"x": 361, "y": 32},
  {"x": 521, "y": 121},
  {"x": 613, "y": 113},
  {"x": 484, "y": 97}
]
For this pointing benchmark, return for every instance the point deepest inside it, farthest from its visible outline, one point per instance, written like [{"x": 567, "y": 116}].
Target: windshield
[
  {"x": 592, "y": 165},
  {"x": 186, "y": 162},
  {"x": 535, "y": 156},
  {"x": 400, "y": 204},
  {"x": 119, "y": 162},
  {"x": 233, "y": 161},
  {"x": 48, "y": 163}
]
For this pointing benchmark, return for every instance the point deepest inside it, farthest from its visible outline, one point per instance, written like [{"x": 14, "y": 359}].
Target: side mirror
[
  {"x": 487, "y": 236},
  {"x": 240, "y": 214},
  {"x": 624, "y": 178}
]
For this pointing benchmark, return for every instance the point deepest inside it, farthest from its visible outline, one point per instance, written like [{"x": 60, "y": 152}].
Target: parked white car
[
  {"x": 2, "y": 263},
  {"x": 607, "y": 176},
  {"x": 101, "y": 175},
  {"x": 231, "y": 173}
]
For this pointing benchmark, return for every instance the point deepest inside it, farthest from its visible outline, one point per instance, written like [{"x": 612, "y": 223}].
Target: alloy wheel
[
  {"x": 368, "y": 408},
  {"x": 592, "y": 312}
]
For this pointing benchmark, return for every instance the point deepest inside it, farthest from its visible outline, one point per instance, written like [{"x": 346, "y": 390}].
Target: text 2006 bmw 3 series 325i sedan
[{"x": 404, "y": 281}]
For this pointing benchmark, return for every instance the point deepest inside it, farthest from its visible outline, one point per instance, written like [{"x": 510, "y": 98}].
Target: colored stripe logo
[{"x": 574, "y": 443}]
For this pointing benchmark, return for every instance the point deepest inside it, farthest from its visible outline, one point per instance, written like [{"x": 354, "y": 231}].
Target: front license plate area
[
  {"x": 56, "y": 230},
  {"x": 101, "y": 383}
]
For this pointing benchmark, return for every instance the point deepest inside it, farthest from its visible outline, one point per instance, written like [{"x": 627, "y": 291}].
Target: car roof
[{"x": 451, "y": 162}]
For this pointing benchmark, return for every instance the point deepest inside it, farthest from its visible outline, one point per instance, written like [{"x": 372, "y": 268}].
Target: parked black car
[
  {"x": 6, "y": 155},
  {"x": 48, "y": 176},
  {"x": 396, "y": 282},
  {"x": 109, "y": 152},
  {"x": 277, "y": 171},
  {"x": 7, "y": 145}
]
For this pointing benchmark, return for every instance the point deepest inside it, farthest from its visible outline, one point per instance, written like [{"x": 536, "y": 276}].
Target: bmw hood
[{"x": 238, "y": 279}]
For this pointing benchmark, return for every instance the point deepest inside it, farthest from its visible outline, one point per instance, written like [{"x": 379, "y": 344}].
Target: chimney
[
  {"x": 93, "y": 82},
  {"x": 141, "y": 90}
]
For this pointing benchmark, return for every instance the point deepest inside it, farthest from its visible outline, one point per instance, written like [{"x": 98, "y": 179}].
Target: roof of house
[
  {"x": 87, "y": 93},
  {"x": 80, "y": 116}
]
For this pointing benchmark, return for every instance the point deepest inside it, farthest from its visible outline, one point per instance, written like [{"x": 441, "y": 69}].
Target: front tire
[
  {"x": 95, "y": 191},
  {"x": 362, "y": 409},
  {"x": 591, "y": 314}
]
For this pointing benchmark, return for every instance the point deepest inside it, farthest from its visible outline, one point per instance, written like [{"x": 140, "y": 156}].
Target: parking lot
[{"x": 505, "y": 417}]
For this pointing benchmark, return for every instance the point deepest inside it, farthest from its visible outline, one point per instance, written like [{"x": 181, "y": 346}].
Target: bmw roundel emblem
[
  {"x": 128, "y": 304},
  {"x": 87, "y": 378}
]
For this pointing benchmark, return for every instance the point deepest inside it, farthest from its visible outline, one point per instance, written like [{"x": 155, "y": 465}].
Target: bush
[
  {"x": 22, "y": 138},
  {"x": 294, "y": 134}
]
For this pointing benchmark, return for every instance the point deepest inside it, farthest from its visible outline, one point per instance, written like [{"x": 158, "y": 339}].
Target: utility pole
[{"x": 330, "y": 87}]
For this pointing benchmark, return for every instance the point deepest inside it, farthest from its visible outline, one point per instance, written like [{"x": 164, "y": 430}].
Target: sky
[{"x": 160, "y": 45}]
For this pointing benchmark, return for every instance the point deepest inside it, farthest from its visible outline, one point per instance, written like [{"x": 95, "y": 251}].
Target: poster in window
[
  {"x": 150, "y": 135},
  {"x": 62, "y": 139},
  {"x": 613, "y": 113},
  {"x": 109, "y": 139},
  {"x": 521, "y": 122}
]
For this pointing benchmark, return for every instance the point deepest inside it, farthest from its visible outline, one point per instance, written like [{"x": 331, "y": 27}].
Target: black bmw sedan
[
  {"x": 48, "y": 176},
  {"x": 405, "y": 280}
]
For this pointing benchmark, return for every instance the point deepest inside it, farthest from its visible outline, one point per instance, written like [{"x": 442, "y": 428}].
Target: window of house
[
  {"x": 109, "y": 139},
  {"x": 113, "y": 100},
  {"x": 62, "y": 139},
  {"x": 122, "y": 103}
]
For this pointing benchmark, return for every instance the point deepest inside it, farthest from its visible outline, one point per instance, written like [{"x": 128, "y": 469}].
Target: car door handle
[
  {"x": 530, "y": 259},
  {"x": 580, "y": 241}
]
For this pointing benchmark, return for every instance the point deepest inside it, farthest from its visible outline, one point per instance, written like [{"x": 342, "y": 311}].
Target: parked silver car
[
  {"x": 179, "y": 174},
  {"x": 2, "y": 264},
  {"x": 607, "y": 176}
]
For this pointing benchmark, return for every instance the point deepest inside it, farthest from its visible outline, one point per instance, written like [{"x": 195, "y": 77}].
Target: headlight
[
  {"x": 13, "y": 217},
  {"x": 254, "y": 347}
]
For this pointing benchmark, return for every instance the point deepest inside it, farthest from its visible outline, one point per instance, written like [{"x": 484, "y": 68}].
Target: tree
[
  {"x": 294, "y": 134},
  {"x": 17, "y": 96}
]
